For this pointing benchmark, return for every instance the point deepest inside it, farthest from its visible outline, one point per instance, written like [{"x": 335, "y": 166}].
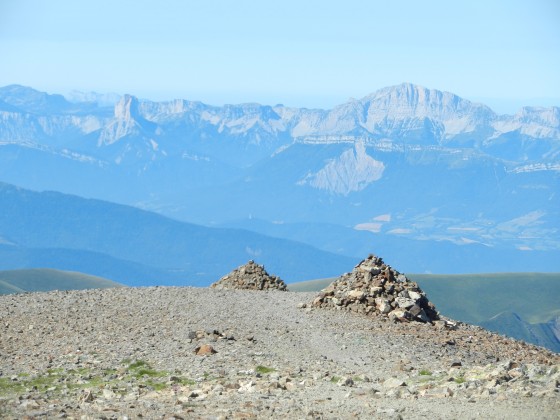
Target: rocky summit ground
[{"x": 235, "y": 354}]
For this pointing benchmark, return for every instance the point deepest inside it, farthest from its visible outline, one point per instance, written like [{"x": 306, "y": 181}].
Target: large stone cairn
[
  {"x": 250, "y": 276},
  {"x": 373, "y": 287}
]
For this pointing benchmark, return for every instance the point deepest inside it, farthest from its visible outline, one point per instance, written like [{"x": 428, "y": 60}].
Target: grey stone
[
  {"x": 250, "y": 276},
  {"x": 393, "y": 383},
  {"x": 404, "y": 303},
  {"x": 375, "y": 288},
  {"x": 345, "y": 381}
]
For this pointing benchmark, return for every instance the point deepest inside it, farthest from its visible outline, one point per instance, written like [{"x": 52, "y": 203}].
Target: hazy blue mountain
[
  {"x": 32, "y": 101},
  {"x": 28, "y": 100},
  {"x": 403, "y": 170},
  {"x": 134, "y": 246},
  {"x": 101, "y": 99},
  {"x": 14, "y": 257},
  {"x": 542, "y": 334}
]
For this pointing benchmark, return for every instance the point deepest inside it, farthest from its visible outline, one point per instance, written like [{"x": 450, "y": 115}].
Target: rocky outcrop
[
  {"x": 250, "y": 276},
  {"x": 127, "y": 121},
  {"x": 352, "y": 171},
  {"x": 374, "y": 287}
]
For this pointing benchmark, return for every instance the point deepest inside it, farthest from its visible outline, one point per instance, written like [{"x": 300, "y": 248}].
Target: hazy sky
[{"x": 303, "y": 53}]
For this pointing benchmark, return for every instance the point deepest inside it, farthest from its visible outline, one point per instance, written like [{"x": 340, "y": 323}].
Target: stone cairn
[
  {"x": 250, "y": 276},
  {"x": 373, "y": 287}
]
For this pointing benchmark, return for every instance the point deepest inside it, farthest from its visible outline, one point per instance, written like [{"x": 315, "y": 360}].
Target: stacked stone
[
  {"x": 373, "y": 287},
  {"x": 250, "y": 276}
]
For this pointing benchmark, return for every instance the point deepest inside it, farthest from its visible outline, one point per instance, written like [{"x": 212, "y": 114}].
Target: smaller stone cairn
[
  {"x": 251, "y": 276},
  {"x": 373, "y": 287}
]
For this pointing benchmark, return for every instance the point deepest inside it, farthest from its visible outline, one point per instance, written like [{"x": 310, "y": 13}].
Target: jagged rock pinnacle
[{"x": 127, "y": 108}]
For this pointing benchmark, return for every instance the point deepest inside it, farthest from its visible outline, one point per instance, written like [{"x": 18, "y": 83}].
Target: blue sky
[{"x": 505, "y": 53}]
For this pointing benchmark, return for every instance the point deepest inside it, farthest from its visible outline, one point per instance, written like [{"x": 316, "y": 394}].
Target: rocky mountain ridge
[
  {"x": 406, "y": 112},
  {"x": 419, "y": 149},
  {"x": 144, "y": 132}
]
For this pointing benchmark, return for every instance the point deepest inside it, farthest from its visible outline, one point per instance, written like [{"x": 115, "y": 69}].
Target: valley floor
[{"x": 131, "y": 352}]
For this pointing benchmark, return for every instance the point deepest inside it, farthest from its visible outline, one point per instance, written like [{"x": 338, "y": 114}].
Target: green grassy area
[
  {"x": 475, "y": 298},
  {"x": 46, "y": 279},
  {"x": 310, "y": 285},
  {"x": 61, "y": 381},
  {"x": 264, "y": 369}
]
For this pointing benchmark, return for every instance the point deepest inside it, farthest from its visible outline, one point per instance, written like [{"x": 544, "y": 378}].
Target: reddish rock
[{"x": 205, "y": 350}]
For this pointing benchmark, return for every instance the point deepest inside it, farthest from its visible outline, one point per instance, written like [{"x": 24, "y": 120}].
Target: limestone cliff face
[
  {"x": 406, "y": 113},
  {"x": 408, "y": 102},
  {"x": 127, "y": 121},
  {"x": 536, "y": 122},
  {"x": 352, "y": 171},
  {"x": 399, "y": 111}
]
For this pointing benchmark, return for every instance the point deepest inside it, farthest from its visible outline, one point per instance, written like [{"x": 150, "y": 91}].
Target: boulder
[{"x": 204, "y": 350}]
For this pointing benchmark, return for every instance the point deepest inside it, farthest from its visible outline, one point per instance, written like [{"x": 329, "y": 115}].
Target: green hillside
[
  {"x": 474, "y": 298},
  {"x": 46, "y": 279},
  {"x": 310, "y": 285}
]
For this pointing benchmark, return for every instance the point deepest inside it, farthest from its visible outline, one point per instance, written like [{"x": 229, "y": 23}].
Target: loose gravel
[{"x": 165, "y": 352}]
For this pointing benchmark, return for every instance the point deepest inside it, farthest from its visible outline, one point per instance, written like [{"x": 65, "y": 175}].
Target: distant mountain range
[
  {"x": 421, "y": 177},
  {"x": 137, "y": 247}
]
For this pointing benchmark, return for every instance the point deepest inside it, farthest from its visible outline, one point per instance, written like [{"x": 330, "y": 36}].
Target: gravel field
[{"x": 169, "y": 352}]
